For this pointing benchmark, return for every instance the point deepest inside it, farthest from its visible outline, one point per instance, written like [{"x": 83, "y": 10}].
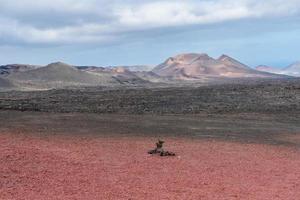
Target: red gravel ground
[{"x": 76, "y": 167}]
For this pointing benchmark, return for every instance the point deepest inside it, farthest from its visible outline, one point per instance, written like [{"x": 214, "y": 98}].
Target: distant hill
[
  {"x": 269, "y": 69},
  {"x": 151, "y": 77},
  {"x": 59, "y": 75},
  {"x": 135, "y": 68},
  {"x": 125, "y": 75},
  {"x": 291, "y": 70},
  {"x": 194, "y": 66},
  {"x": 121, "y": 74},
  {"x": 6, "y": 70},
  {"x": 90, "y": 68}
]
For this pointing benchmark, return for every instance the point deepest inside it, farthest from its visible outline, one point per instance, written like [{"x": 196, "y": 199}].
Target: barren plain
[{"x": 231, "y": 142}]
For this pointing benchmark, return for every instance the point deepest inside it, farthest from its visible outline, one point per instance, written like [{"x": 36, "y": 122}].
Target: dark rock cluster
[
  {"x": 268, "y": 97},
  {"x": 160, "y": 151}
]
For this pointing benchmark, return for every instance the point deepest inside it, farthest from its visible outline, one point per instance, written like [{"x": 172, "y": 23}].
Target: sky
[{"x": 133, "y": 32}]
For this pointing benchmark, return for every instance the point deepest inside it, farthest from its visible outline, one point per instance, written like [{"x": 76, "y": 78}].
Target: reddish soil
[{"x": 77, "y": 167}]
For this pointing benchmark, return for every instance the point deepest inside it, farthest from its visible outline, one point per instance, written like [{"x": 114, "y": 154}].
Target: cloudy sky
[{"x": 115, "y": 32}]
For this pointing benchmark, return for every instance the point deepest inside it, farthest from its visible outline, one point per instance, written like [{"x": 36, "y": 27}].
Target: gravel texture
[{"x": 93, "y": 167}]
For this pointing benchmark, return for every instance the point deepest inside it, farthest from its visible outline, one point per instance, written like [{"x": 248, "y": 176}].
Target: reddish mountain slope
[{"x": 198, "y": 66}]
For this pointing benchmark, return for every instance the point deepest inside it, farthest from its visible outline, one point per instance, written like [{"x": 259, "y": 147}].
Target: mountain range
[
  {"x": 184, "y": 68},
  {"x": 198, "y": 66}
]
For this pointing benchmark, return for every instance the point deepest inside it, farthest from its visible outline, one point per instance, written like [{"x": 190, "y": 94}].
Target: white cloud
[
  {"x": 179, "y": 13},
  {"x": 96, "y": 21},
  {"x": 174, "y": 13},
  {"x": 67, "y": 6},
  {"x": 86, "y": 33}
]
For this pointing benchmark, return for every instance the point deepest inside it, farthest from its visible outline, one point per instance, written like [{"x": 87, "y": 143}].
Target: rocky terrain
[
  {"x": 56, "y": 156},
  {"x": 263, "y": 97},
  {"x": 83, "y": 132}
]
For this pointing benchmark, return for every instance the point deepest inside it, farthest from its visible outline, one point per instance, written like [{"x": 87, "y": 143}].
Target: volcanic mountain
[
  {"x": 59, "y": 75},
  {"x": 194, "y": 66}
]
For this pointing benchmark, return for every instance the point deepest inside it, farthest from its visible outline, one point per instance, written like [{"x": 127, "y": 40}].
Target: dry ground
[{"x": 88, "y": 156}]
